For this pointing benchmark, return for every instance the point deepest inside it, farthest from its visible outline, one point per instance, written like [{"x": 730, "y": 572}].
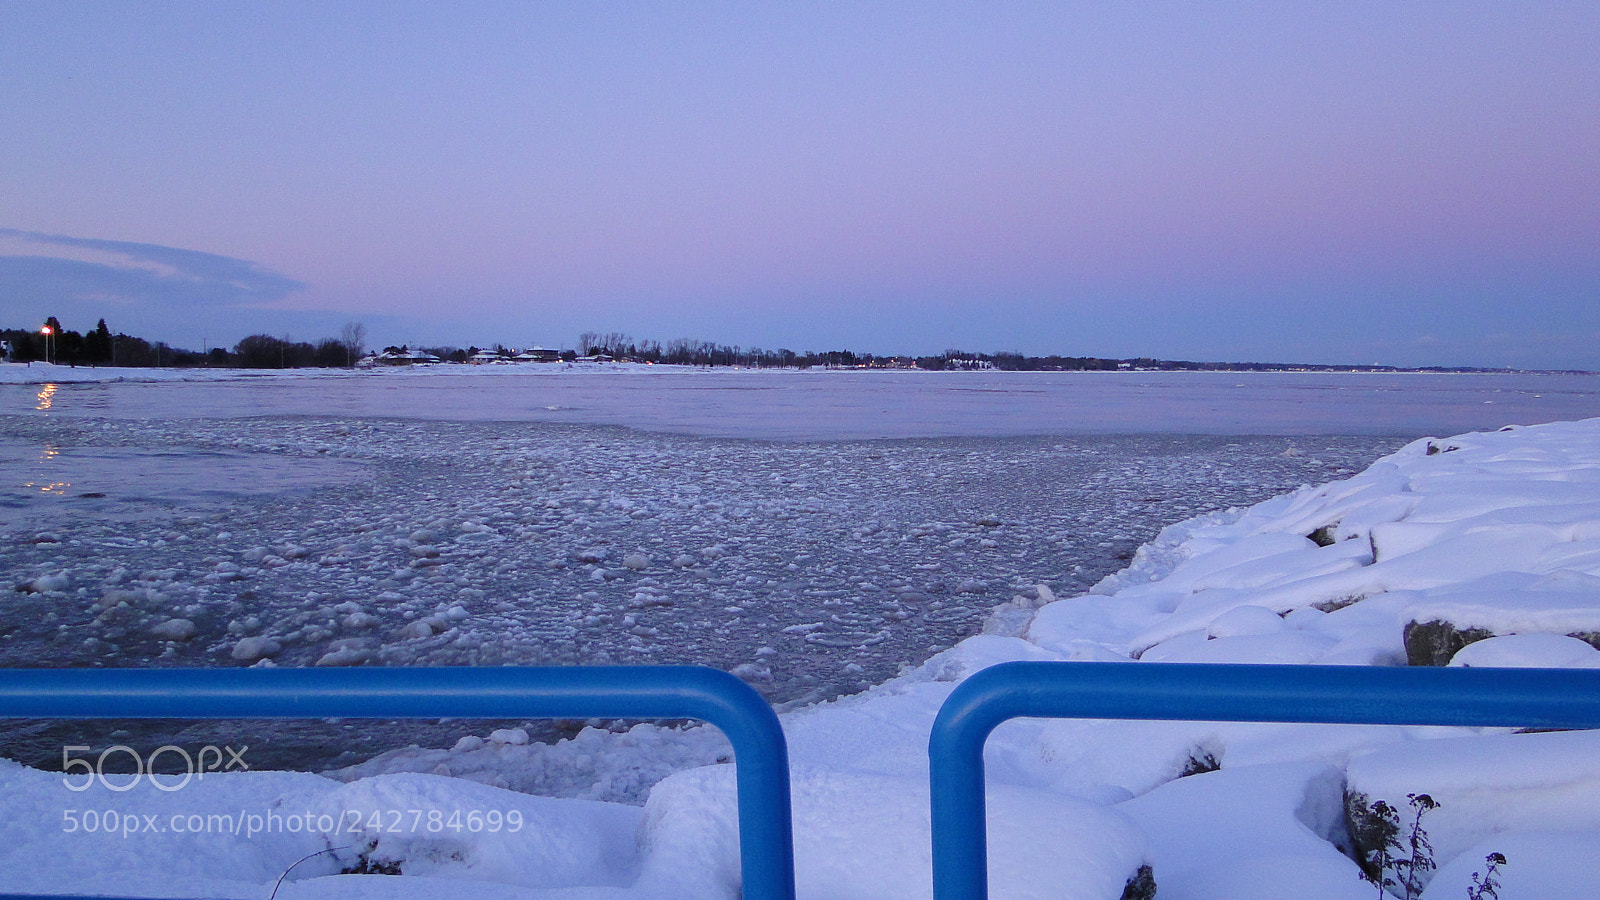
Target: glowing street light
[{"x": 48, "y": 333}]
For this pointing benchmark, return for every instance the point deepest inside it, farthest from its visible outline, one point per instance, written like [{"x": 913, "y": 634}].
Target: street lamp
[{"x": 48, "y": 333}]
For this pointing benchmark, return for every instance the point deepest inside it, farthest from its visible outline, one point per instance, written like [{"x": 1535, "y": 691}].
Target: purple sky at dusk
[{"x": 1360, "y": 182}]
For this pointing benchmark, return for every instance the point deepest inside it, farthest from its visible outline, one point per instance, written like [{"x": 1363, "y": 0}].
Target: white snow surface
[{"x": 1497, "y": 531}]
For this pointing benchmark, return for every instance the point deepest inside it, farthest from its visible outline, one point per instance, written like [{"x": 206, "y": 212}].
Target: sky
[{"x": 1356, "y": 182}]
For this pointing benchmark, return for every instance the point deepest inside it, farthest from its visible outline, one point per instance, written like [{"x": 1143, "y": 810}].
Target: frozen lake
[
  {"x": 814, "y": 532},
  {"x": 848, "y": 404}
]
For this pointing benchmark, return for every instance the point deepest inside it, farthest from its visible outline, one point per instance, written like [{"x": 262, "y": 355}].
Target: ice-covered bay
[
  {"x": 810, "y": 568},
  {"x": 829, "y": 404}
]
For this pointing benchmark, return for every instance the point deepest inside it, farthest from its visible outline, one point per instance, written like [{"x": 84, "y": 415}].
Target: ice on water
[{"x": 810, "y": 568}]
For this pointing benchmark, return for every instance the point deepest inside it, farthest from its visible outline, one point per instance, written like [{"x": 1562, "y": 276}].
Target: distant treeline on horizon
[{"x": 100, "y": 347}]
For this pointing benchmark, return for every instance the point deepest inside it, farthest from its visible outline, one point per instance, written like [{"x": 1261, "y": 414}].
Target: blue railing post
[
  {"x": 766, "y": 843},
  {"x": 1355, "y": 695}
]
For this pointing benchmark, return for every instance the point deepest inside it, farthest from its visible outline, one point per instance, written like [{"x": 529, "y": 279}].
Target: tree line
[
  {"x": 100, "y": 347},
  {"x": 691, "y": 352}
]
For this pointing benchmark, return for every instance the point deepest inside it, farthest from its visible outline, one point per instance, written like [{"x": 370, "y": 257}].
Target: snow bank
[
  {"x": 867, "y": 837},
  {"x": 1496, "y": 535}
]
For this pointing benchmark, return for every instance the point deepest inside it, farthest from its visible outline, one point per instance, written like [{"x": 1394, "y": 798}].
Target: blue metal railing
[
  {"x": 1546, "y": 698},
  {"x": 667, "y": 692},
  {"x": 1363, "y": 695}
]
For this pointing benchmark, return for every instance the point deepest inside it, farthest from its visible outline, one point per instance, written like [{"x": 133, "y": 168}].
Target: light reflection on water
[
  {"x": 47, "y": 454},
  {"x": 48, "y": 483},
  {"x": 46, "y": 397}
]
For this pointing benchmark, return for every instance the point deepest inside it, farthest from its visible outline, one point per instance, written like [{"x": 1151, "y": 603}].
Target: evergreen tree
[{"x": 97, "y": 345}]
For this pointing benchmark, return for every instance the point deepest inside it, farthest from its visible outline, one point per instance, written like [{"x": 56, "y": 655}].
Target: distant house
[
  {"x": 538, "y": 354},
  {"x": 399, "y": 356},
  {"x": 969, "y": 365},
  {"x": 485, "y": 357}
]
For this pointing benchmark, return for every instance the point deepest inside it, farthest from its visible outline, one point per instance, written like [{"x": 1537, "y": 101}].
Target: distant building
[
  {"x": 399, "y": 356},
  {"x": 538, "y": 354},
  {"x": 969, "y": 365}
]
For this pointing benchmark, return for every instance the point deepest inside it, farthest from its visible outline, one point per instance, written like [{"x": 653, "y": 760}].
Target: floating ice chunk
[
  {"x": 348, "y": 655},
  {"x": 245, "y": 625},
  {"x": 751, "y": 672},
  {"x": 254, "y": 648},
  {"x": 359, "y": 620},
  {"x": 45, "y": 584},
  {"x": 174, "y": 630},
  {"x": 421, "y": 628}
]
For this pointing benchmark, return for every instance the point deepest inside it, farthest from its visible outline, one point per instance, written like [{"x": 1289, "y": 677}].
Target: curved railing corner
[
  {"x": 666, "y": 692},
  {"x": 1360, "y": 695}
]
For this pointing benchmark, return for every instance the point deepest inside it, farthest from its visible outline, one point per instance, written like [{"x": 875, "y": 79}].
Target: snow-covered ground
[{"x": 1495, "y": 534}]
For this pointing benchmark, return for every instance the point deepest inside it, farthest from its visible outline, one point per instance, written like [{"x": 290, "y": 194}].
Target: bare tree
[{"x": 353, "y": 335}]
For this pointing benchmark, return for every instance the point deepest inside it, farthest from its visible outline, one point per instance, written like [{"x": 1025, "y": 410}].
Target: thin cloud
[{"x": 125, "y": 273}]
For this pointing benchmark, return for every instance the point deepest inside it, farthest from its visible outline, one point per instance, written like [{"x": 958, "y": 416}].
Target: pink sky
[{"x": 1364, "y": 182}]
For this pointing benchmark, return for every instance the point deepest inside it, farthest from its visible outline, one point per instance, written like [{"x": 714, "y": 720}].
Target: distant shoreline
[{"x": 57, "y": 373}]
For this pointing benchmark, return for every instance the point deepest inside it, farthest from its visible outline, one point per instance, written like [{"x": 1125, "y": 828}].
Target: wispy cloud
[{"x": 73, "y": 270}]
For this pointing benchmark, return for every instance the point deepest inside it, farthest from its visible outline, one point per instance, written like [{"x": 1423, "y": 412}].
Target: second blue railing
[{"x": 1357, "y": 695}]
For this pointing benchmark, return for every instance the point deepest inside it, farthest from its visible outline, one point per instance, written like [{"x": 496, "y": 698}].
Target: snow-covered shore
[{"x": 1496, "y": 535}]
